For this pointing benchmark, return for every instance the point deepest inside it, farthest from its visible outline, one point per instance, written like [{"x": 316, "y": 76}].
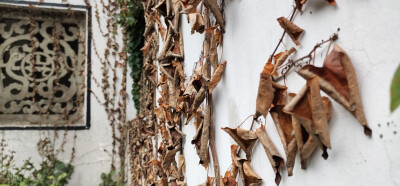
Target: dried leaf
[
  {"x": 251, "y": 178},
  {"x": 283, "y": 124},
  {"x": 273, "y": 155},
  {"x": 213, "y": 6},
  {"x": 282, "y": 58},
  {"x": 309, "y": 110},
  {"x": 181, "y": 166},
  {"x": 246, "y": 139},
  {"x": 235, "y": 169},
  {"x": 299, "y": 4},
  {"x": 197, "y": 143},
  {"x": 216, "y": 77},
  {"x": 229, "y": 180},
  {"x": 331, "y": 2},
  {"x": 196, "y": 22},
  {"x": 190, "y": 6},
  {"x": 291, "y": 29},
  {"x": 265, "y": 95},
  {"x": 213, "y": 51},
  {"x": 338, "y": 79},
  {"x": 205, "y": 136}
]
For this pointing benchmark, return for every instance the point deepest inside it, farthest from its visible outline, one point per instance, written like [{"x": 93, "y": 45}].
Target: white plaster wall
[
  {"x": 368, "y": 32},
  {"x": 90, "y": 158}
]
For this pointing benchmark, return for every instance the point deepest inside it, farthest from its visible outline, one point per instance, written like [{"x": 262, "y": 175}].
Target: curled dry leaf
[
  {"x": 213, "y": 6},
  {"x": 228, "y": 179},
  {"x": 331, "y": 2},
  {"x": 181, "y": 165},
  {"x": 197, "y": 144},
  {"x": 216, "y": 77},
  {"x": 282, "y": 58},
  {"x": 283, "y": 124},
  {"x": 337, "y": 78},
  {"x": 265, "y": 95},
  {"x": 190, "y": 6},
  {"x": 299, "y": 4},
  {"x": 196, "y": 22},
  {"x": 273, "y": 155},
  {"x": 291, "y": 29},
  {"x": 205, "y": 136},
  {"x": 309, "y": 110},
  {"x": 213, "y": 50},
  {"x": 251, "y": 178},
  {"x": 235, "y": 168},
  {"x": 246, "y": 139}
]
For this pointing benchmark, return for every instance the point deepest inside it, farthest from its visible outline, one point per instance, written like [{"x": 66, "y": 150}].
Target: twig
[
  {"x": 283, "y": 34},
  {"x": 309, "y": 56}
]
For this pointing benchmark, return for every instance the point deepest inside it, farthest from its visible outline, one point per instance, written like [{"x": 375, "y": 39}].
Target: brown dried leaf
[
  {"x": 283, "y": 124},
  {"x": 338, "y": 79},
  {"x": 205, "y": 136},
  {"x": 282, "y": 58},
  {"x": 234, "y": 170},
  {"x": 273, "y": 155},
  {"x": 216, "y": 77},
  {"x": 265, "y": 95},
  {"x": 196, "y": 22},
  {"x": 190, "y": 6},
  {"x": 229, "y": 180},
  {"x": 197, "y": 144},
  {"x": 246, "y": 139},
  {"x": 291, "y": 29},
  {"x": 251, "y": 178},
  {"x": 299, "y": 4},
  {"x": 309, "y": 110},
  {"x": 213, "y": 6}
]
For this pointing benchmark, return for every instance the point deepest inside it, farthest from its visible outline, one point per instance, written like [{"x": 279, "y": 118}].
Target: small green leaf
[{"x": 395, "y": 90}]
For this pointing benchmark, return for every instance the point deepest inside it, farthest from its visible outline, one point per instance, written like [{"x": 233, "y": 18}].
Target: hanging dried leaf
[
  {"x": 190, "y": 6},
  {"x": 228, "y": 179},
  {"x": 283, "y": 124},
  {"x": 213, "y": 50},
  {"x": 395, "y": 90},
  {"x": 338, "y": 79},
  {"x": 273, "y": 155},
  {"x": 235, "y": 168},
  {"x": 291, "y": 29},
  {"x": 197, "y": 144},
  {"x": 265, "y": 95},
  {"x": 213, "y": 6},
  {"x": 216, "y": 77},
  {"x": 251, "y": 178},
  {"x": 196, "y": 22},
  {"x": 331, "y": 2},
  {"x": 244, "y": 138},
  {"x": 309, "y": 110},
  {"x": 282, "y": 58},
  {"x": 299, "y": 4},
  {"x": 205, "y": 136}
]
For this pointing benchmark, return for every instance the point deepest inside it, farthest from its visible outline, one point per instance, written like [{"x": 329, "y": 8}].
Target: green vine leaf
[{"x": 395, "y": 90}]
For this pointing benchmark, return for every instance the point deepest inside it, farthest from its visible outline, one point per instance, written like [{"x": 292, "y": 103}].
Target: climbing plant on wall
[{"x": 132, "y": 19}]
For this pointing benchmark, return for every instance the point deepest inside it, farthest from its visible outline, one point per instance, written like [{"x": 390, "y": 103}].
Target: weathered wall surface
[
  {"x": 90, "y": 158},
  {"x": 368, "y": 33}
]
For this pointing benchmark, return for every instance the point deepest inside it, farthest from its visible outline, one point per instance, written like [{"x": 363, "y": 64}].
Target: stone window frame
[{"x": 60, "y": 8}]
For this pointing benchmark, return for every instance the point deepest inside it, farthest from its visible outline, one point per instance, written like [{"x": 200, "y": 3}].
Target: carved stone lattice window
[{"x": 43, "y": 67}]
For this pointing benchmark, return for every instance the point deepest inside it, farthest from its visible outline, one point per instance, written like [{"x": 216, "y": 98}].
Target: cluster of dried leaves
[
  {"x": 301, "y": 119},
  {"x": 154, "y": 160}
]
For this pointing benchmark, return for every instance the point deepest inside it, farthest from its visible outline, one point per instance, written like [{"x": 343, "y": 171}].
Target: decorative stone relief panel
[{"x": 42, "y": 67}]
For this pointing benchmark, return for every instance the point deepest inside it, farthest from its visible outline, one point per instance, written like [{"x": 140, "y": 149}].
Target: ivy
[{"x": 132, "y": 19}]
